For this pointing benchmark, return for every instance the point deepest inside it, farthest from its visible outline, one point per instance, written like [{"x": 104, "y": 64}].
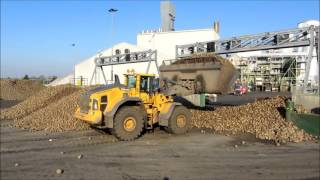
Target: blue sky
[{"x": 36, "y": 36}]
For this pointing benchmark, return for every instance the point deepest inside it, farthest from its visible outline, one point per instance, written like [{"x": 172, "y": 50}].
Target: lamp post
[
  {"x": 73, "y": 45},
  {"x": 112, "y": 11}
]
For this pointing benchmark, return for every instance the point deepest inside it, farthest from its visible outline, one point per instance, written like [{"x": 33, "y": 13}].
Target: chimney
[
  {"x": 168, "y": 15},
  {"x": 216, "y": 26}
]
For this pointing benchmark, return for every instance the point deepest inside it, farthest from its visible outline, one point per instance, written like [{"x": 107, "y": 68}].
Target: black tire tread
[
  {"x": 122, "y": 113},
  {"x": 172, "y": 127}
]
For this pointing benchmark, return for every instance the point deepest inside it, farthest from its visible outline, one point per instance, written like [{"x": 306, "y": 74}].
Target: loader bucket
[{"x": 206, "y": 73}]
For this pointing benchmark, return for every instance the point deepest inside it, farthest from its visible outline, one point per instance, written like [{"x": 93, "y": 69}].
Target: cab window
[
  {"x": 148, "y": 84},
  {"x": 132, "y": 81},
  {"x": 145, "y": 84}
]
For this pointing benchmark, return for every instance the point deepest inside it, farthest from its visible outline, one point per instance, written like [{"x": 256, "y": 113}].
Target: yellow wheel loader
[
  {"x": 133, "y": 107},
  {"x": 139, "y": 104}
]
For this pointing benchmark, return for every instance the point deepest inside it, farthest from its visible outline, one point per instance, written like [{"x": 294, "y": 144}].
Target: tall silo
[{"x": 168, "y": 14}]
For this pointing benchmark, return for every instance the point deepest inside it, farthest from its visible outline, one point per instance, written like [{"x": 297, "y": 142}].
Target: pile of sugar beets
[{"x": 52, "y": 109}]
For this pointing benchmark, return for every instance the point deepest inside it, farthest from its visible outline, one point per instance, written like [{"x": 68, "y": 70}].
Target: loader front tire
[
  {"x": 179, "y": 122},
  {"x": 128, "y": 123}
]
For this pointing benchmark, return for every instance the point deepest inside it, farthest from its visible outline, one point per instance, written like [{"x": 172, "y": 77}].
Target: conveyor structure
[{"x": 299, "y": 37}]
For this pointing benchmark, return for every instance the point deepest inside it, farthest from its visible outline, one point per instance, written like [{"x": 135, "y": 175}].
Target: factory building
[
  {"x": 163, "y": 40},
  {"x": 279, "y": 69},
  {"x": 265, "y": 70}
]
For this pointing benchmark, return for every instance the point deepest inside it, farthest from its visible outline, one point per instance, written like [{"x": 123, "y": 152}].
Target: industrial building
[
  {"x": 265, "y": 70},
  {"x": 280, "y": 69},
  {"x": 164, "y": 40},
  {"x": 269, "y": 61}
]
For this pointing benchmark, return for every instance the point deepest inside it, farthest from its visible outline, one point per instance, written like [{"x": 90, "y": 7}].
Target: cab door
[{"x": 146, "y": 88}]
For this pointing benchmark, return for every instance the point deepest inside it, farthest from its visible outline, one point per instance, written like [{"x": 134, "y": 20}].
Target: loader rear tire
[
  {"x": 179, "y": 122},
  {"x": 128, "y": 123}
]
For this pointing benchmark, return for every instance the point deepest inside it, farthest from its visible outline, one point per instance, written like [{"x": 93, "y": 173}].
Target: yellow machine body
[{"x": 99, "y": 107}]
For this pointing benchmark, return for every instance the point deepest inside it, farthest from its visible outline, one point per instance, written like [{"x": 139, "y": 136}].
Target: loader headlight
[{"x": 95, "y": 104}]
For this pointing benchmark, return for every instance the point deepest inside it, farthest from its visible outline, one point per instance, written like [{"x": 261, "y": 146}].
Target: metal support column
[
  {"x": 148, "y": 67},
  {"x": 94, "y": 72},
  {"x": 308, "y": 62},
  {"x": 156, "y": 61},
  {"x": 104, "y": 76}
]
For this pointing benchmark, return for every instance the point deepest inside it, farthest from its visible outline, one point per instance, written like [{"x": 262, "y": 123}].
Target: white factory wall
[
  {"x": 163, "y": 42},
  {"x": 62, "y": 80}
]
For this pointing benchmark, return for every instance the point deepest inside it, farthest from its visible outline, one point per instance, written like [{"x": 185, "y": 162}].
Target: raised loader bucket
[{"x": 205, "y": 73}]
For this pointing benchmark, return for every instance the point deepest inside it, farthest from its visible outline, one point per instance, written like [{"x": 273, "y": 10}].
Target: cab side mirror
[{"x": 116, "y": 80}]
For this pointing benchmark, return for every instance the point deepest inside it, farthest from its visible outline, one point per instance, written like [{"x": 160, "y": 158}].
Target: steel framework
[
  {"x": 291, "y": 38},
  {"x": 134, "y": 57},
  {"x": 272, "y": 71}
]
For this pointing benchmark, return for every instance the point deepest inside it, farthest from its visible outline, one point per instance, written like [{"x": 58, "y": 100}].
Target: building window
[
  {"x": 127, "y": 52},
  {"x": 117, "y": 53},
  {"x": 191, "y": 50}
]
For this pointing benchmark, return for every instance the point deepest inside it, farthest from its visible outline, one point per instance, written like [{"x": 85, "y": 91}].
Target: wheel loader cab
[
  {"x": 146, "y": 83},
  {"x": 141, "y": 85}
]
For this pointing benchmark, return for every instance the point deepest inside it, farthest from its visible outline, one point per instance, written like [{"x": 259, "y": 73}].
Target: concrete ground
[{"x": 156, "y": 155}]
